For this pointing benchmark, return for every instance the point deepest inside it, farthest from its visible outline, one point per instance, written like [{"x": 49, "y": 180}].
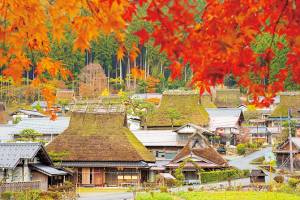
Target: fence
[{"x": 19, "y": 186}]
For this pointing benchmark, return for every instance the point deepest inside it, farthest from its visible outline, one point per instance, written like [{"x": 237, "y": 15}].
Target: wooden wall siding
[
  {"x": 98, "y": 177},
  {"x": 37, "y": 176},
  {"x": 86, "y": 180}
]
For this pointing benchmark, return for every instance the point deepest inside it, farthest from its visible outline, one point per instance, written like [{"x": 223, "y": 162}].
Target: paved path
[
  {"x": 106, "y": 196},
  {"x": 244, "y": 162}
]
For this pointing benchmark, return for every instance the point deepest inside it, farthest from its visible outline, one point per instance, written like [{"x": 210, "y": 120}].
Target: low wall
[{"x": 20, "y": 186}]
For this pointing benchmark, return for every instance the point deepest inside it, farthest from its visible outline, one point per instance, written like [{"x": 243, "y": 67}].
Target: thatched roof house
[
  {"x": 101, "y": 142},
  {"x": 288, "y": 101},
  {"x": 99, "y": 137},
  {"x": 206, "y": 101},
  {"x": 186, "y": 103},
  {"x": 227, "y": 98}
]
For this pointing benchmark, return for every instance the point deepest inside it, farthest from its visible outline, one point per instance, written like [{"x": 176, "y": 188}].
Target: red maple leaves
[{"x": 216, "y": 41}]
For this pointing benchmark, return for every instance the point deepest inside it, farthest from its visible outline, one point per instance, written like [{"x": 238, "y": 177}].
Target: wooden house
[
  {"x": 186, "y": 131},
  {"x": 198, "y": 154},
  {"x": 25, "y": 163},
  {"x": 226, "y": 123},
  {"x": 257, "y": 176},
  {"x": 283, "y": 154},
  {"x": 185, "y": 103},
  {"x": 102, "y": 151},
  {"x": 92, "y": 80}
]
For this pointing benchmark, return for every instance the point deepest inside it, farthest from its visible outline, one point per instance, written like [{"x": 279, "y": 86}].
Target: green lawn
[{"x": 219, "y": 196}]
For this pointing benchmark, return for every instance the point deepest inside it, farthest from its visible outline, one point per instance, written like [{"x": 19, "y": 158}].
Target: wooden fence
[{"x": 19, "y": 186}]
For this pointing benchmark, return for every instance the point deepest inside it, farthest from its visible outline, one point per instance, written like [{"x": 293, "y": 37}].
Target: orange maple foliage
[{"x": 215, "y": 41}]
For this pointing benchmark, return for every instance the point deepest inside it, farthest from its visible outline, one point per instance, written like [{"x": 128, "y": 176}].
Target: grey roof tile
[{"x": 11, "y": 153}]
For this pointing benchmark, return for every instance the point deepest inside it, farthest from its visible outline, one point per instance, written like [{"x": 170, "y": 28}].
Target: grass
[
  {"x": 230, "y": 195},
  {"x": 237, "y": 196},
  {"x": 155, "y": 196},
  {"x": 95, "y": 189}
]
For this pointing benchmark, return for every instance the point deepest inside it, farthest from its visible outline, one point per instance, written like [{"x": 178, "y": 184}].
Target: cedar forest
[{"x": 254, "y": 43}]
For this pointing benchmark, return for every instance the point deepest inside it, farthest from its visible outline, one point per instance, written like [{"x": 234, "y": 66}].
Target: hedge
[{"x": 223, "y": 175}]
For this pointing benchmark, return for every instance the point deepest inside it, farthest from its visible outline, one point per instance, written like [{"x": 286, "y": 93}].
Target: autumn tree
[{"x": 213, "y": 38}]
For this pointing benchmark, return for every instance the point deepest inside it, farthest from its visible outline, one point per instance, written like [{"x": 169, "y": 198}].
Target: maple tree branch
[{"x": 277, "y": 21}]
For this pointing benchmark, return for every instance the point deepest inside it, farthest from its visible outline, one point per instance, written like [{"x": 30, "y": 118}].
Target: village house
[
  {"x": 102, "y": 151},
  {"x": 198, "y": 154},
  {"x": 185, "y": 103},
  {"x": 166, "y": 144},
  {"x": 283, "y": 154},
  {"x": 260, "y": 134},
  {"x": 29, "y": 164},
  {"x": 226, "y": 123}
]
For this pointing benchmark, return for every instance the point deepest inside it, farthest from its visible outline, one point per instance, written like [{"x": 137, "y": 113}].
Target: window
[{"x": 170, "y": 155}]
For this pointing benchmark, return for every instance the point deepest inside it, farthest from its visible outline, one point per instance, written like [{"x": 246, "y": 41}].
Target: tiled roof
[
  {"x": 223, "y": 117},
  {"x": 198, "y": 146},
  {"x": 12, "y": 153},
  {"x": 156, "y": 137},
  {"x": 49, "y": 171},
  {"x": 42, "y": 125}
]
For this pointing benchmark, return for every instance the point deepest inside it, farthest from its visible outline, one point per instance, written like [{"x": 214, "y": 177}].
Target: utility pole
[{"x": 290, "y": 142}]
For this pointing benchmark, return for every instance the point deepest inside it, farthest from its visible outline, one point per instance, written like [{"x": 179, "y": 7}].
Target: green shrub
[
  {"x": 241, "y": 149},
  {"x": 293, "y": 182},
  {"x": 223, "y": 175},
  {"x": 279, "y": 179},
  {"x": 163, "y": 189},
  {"x": 190, "y": 189},
  {"x": 7, "y": 195}
]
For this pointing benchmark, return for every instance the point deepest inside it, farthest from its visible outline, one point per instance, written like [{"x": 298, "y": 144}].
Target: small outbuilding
[{"x": 257, "y": 176}]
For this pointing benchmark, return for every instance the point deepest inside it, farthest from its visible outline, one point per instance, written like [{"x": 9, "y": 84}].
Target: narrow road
[
  {"x": 245, "y": 162},
  {"x": 106, "y": 196}
]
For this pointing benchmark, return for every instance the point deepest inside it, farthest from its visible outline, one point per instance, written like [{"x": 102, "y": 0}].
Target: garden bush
[
  {"x": 293, "y": 182},
  {"x": 163, "y": 189},
  {"x": 241, "y": 149},
  {"x": 223, "y": 175}
]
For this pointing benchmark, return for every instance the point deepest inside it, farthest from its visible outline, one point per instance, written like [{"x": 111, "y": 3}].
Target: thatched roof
[
  {"x": 187, "y": 104},
  {"x": 206, "y": 101},
  {"x": 99, "y": 137},
  {"x": 227, "y": 98},
  {"x": 288, "y": 101}
]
